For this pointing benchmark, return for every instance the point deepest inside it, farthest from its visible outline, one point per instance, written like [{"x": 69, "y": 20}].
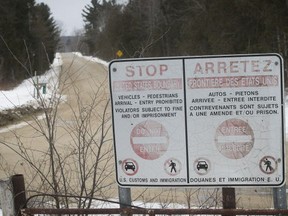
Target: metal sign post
[
  {"x": 279, "y": 197},
  {"x": 124, "y": 198}
]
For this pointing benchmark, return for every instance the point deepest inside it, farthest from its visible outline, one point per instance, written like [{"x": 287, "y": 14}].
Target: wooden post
[
  {"x": 6, "y": 198},
  {"x": 229, "y": 200},
  {"x": 19, "y": 196},
  {"x": 12, "y": 195}
]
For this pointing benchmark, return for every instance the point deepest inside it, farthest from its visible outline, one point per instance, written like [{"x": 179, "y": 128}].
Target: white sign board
[{"x": 199, "y": 121}]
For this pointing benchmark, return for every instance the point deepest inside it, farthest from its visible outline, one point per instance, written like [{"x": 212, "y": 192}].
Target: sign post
[
  {"x": 124, "y": 193},
  {"x": 279, "y": 197},
  {"x": 124, "y": 198},
  {"x": 199, "y": 121},
  {"x": 229, "y": 198}
]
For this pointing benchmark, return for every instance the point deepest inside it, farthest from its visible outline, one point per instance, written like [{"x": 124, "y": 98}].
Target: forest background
[{"x": 29, "y": 36}]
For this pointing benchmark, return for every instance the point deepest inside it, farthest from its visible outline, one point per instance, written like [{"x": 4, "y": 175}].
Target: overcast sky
[{"x": 67, "y": 13}]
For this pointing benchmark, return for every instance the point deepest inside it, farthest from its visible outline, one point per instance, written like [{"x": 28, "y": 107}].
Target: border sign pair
[{"x": 199, "y": 121}]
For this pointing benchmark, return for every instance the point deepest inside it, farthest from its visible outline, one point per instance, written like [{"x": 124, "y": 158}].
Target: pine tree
[
  {"x": 22, "y": 26},
  {"x": 44, "y": 37},
  {"x": 93, "y": 24},
  {"x": 14, "y": 27}
]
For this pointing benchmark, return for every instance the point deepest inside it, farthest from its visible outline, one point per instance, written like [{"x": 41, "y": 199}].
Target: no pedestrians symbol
[
  {"x": 268, "y": 164},
  {"x": 172, "y": 166}
]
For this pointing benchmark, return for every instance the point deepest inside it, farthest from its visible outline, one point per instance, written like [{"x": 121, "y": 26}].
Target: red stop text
[{"x": 146, "y": 70}]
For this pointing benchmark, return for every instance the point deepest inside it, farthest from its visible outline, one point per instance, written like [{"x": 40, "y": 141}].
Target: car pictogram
[
  {"x": 130, "y": 165},
  {"x": 202, "y": 165}
]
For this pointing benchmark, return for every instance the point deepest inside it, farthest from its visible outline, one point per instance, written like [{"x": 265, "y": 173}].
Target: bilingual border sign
[{"x": 199, "y": 121}]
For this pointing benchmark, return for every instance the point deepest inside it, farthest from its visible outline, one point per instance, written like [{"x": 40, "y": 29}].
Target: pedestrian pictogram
[
  {"x": 130, "y": 166},
  {"x": 172, "y": 166},
  {"x": 268, "y": 164},
  {"x": 149, "y": 140}
]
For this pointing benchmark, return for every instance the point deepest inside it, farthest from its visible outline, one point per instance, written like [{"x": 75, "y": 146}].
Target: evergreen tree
[
  {"x": 104, "y": 28},
  {"x": 93, "y": 24},
  {"x": 22, "y": 25},
  {"x": 14, "y": 25},
  {"x": 44, "y": 37}
]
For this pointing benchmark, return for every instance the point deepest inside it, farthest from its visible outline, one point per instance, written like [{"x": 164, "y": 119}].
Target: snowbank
[
  {"x": 91, "y": 58},
  {"x": 25, "y": 94}
]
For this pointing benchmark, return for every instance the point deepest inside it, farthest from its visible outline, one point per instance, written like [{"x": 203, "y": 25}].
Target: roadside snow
[
  {"x": 94, "y": 59},
  {"x": 25, "y": 93}
]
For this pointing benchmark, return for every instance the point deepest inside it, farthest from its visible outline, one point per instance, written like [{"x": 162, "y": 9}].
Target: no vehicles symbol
[
  {"x": 149, "y": 140},
  {"x": 234, "y": 138},
  {"x": 130, "y": 166}
]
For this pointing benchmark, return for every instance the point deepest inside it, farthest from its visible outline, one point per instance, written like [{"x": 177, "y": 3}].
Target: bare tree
[{"x": 75, "y": 156}]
